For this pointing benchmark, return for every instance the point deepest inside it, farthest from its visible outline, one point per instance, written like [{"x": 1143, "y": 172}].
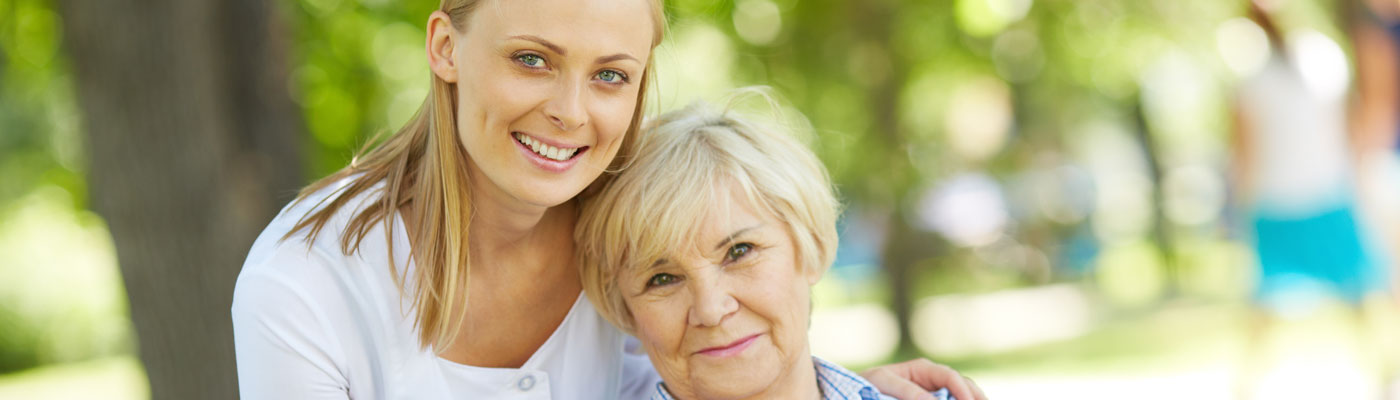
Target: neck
[
  {"x": 502, "y": 235},
  {"x": 507, "y": 231}
]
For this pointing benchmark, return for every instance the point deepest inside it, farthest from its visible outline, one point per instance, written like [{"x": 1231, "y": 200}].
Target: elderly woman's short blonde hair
[{"x": 684, "y": 161}]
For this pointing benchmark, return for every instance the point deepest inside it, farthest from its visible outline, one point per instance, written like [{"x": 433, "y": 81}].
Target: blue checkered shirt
[{"x": 836, "y": 383}]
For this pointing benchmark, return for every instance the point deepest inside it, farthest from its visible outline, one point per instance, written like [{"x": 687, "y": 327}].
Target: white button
[{"x": 526, "y": 383}]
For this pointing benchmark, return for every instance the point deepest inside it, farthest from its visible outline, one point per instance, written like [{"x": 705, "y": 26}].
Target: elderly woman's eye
[
  {"x": 739, "y": 251},
  {"x": 662, "y": 279}
]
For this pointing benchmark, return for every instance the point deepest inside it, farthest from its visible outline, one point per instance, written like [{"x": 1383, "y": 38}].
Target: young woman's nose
[
  {"x": 565, "y": 108},
  {"x": 713, "y": 303}
]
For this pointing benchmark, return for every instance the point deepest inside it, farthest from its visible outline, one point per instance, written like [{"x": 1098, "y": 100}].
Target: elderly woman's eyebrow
[
  {"x": 730, "y": 238},
  {"x": 722, "y": 243},
  {"x": 658, "y": 263}
]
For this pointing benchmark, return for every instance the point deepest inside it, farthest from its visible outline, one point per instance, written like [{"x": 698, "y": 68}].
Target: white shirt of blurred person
[
  {"x": 712, "y": 268},
  {"x": 1298, "y": 135}
]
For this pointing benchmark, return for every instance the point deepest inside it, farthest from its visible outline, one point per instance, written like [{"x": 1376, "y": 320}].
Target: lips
[
  {"x": 548, "y": 155},
  {"x": 552, "y": 151},
  {"x": 731, "y": 349}
]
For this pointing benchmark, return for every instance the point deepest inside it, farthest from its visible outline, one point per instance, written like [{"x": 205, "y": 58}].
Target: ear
[{"x": 441, "y": 45}]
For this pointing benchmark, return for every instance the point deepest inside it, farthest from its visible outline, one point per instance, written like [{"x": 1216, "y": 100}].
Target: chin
[
  {"x": 547, "y": 193},
  {"x": 546, "y": 199},
  {"x": 726, "y": 390},
  {"x": 733, "y": 383}
]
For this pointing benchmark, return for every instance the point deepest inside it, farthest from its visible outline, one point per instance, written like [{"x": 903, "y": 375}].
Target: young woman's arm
[
  {"x": 282, "y": 344},
  {"x": 915, "y": 379}
]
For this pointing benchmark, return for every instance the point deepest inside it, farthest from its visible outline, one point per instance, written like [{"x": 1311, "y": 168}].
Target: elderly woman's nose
[
  {"x": 565, "y": 107},
  {"x": 713, "y": 302}
]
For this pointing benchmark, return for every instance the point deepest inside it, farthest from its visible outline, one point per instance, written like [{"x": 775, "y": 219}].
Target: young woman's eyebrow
[
  {"x": 616, "y": 57},
  {"x": 560, "y": 50},
  {"x": 548, "y": 44}
]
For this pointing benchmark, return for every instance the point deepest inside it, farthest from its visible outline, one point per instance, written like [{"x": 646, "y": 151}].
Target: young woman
[{"x": 440, "y": 264}]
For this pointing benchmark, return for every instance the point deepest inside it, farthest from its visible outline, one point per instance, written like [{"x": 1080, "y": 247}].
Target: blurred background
[{"x": 1088, "y": 199}]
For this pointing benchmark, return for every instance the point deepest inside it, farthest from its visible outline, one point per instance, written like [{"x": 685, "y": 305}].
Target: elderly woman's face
[{"x": 727, "y": 316}]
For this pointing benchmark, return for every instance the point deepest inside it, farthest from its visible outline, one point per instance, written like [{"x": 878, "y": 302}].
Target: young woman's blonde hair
[
  {"x": 424, "y": 164},
  {"x": 686, "y": 160}
]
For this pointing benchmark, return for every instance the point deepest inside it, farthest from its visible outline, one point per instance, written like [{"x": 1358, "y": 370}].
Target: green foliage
[
  {"x": 359, "y": 70},
  {"x": 61, "y": 297},
  {"x": 39, "y": 137}
]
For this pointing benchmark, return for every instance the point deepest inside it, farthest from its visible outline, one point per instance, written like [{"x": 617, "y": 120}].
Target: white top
[
  {"x": 1299, "y": 134},
  {"x": 319, "y": 324}
]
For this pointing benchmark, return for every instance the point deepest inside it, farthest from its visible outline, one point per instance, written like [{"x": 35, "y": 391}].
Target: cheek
[
  {"x": 614, "y": 116},
  {"x": 497, "y": 102},
  {"x": 662, "y": 338},
  {"x": 658, "y": 327},
  {"x": 787, "y": 309}
]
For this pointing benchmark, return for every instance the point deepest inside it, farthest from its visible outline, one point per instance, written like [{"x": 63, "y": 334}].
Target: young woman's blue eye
[
  {"x": 611, "y": 76},
  {"x": 739, "y": 251},
  {"x": 531, "y": 60},
  {"x": 662, "y": 279}
]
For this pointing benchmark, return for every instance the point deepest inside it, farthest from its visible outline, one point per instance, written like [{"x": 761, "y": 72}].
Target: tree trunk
[
  {"x": 906, "y": 246},
  {"x": 192, "y": 148},
  {"x": 1162, "y": 239}
]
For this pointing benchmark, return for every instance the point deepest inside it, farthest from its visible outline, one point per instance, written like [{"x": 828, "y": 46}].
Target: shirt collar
[
  {"x": 840, "y": 383},
  {"x": 835, "y": 383}
]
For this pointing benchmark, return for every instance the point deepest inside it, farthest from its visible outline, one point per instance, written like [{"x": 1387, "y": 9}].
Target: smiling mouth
[
  {"x": 730, "y": 349},
  {"x": 545, "y": 150}
]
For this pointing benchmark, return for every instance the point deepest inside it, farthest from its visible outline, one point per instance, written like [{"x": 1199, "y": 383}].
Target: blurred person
[
  {"x": 440, "y": 263},
  {"x": 1294, "y": 170},
  {"x": 712, "y": 269}
]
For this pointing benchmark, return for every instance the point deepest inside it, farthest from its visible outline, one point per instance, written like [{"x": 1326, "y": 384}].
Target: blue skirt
[{"x": 1326, "y": 249}]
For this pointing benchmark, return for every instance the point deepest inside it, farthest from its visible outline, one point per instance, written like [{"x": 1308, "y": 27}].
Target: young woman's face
[
  {"x": 546, "y": 90},
  {"x": 728, "y": 316}
]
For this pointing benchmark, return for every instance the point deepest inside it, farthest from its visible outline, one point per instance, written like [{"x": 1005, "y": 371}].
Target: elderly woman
[{"x": 706, "y": 248}]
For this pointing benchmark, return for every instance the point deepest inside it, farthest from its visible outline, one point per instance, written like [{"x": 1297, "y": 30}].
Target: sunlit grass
[{"x": 1197, "y": 351}]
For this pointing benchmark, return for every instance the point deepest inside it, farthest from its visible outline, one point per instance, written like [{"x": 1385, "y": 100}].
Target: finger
[
  {"x": 932, "y": 376},
  {"x": 961, "y": 389},
  {"x": 977, "y": 390},
  {"x": 896, "y": 386}
]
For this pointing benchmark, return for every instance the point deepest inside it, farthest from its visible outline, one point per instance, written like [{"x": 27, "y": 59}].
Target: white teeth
[{"x": 550, "y": 152}]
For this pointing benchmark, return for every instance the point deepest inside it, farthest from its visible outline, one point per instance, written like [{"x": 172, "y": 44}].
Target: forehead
[
  {"x": 588, "y": 25},
  {"x": 729, "y": 210},
  {"x": 726, "y": 210}
]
